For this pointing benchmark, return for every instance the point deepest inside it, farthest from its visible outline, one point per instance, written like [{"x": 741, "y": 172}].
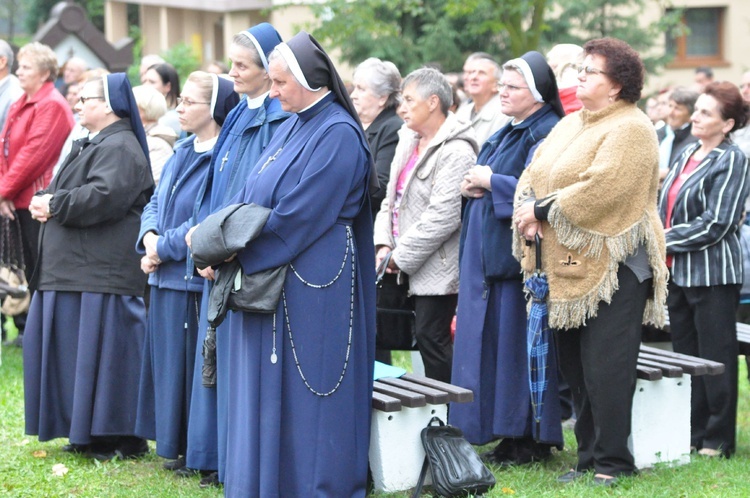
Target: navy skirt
[
  {"x": 167, "y": 373},
  {"x": 82, "y": 364}
]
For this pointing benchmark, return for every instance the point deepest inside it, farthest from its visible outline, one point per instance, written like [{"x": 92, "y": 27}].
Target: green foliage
[
  {"x": 409, "y": 33},
  {"x": 184, "y": 60},
  {"x": 39, "y": 12},
  {"x": 577, "y": 21}
]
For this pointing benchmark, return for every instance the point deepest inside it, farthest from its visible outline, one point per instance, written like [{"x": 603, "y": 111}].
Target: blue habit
[
  {"x": 244, "y": 136},
  {"x": 81, "y": 363},
  {"x": 284, "y": 440},
  {"x": 169, "y": 350},
  {"x": 489, "y": 353}
]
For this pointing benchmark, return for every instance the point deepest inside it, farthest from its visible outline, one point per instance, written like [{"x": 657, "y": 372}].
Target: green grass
[{"x": 26, "y": 465}]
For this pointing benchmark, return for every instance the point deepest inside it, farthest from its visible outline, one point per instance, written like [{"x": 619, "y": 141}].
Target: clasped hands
[
  {"x": 38, "y": 208},
  {"x": 526, "y": 223},
  {"x": 476, "y": 181},
  {"x": 151, "y": 261}
]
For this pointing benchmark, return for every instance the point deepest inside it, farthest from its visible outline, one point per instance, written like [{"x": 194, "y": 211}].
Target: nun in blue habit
[
  {"x": 176, "y": 288},
  {"x": 300, "y": 380},
  {"x": 245, "y": 134},
  {"x": 489, "y": 353},
  {"x": 87, "y": 321}
]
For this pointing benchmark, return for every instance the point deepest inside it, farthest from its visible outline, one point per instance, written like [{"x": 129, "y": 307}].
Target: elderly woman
[
  {"x": 87, "y": 321},
  {"x": 34, "y": 132},
  {"x": 591, "y": 193},
  {"x": 677, "y": 130},
  {"x": 490, "y": 355},
  {"x": 246, "y": 132},
  {"x": 300, "y": 390},
  {"x": 164, "y": 78},
  {"x": 701, "y": 205},
  {"x": 152, "y": 106},
  {"x": 376, "y": 95},
  {"x": 419, "y": 222},
  {"x": 167, "y": 376}
]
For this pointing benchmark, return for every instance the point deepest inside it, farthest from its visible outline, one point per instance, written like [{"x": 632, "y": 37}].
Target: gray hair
[
  {"x": 427, "y": 82},
  {"x": 276, "y": 55},
  {"x": 684, "y": 96},
  {"x": 7, "y": 52},
  {"x": 382, "y": 77},
  {"x": 243, "y": 41},
  {"x": 484, "y": 56}
]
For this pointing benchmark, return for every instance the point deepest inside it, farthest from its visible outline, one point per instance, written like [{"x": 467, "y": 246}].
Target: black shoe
[
  {"x": 174, "y": 464},
  {"x": 211, "y": 479},
  {"x": 185, "y": 472},
  {"x": 75, "y": 448},
  {"x": 570, "y": 476},
  {"x": 131, "y": 447},
  {"x": 126, "y": 448}
]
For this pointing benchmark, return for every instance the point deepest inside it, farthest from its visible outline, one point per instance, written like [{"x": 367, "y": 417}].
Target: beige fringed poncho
[{"x": 599, "y": 171}]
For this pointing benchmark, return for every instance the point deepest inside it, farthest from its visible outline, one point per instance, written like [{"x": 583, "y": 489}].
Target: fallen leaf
[
  {"x": 508, "y": 491},
  {"x": 39, "y": 454},
  {"x": 59, "y": 470}
]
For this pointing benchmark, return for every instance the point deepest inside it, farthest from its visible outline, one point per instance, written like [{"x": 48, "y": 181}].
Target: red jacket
[{"x": 32, "y": 138}]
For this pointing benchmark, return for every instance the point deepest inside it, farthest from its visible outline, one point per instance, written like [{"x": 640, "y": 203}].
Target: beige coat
[
  {"x": 430, "y": 210},
  {"x": 599, "y": 171}
]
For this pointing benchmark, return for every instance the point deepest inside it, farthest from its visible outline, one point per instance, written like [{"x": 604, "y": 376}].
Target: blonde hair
[
  {"x": 42, "y": 56},
  {"x": 204, "y": 81},
  {"x": 150, "y": 101}
]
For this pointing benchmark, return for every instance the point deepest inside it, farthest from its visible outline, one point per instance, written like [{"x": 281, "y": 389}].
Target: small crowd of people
[{"x": 549, "y": 160}]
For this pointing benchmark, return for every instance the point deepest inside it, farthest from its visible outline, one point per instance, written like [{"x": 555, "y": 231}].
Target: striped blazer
[{"x": 704, "y": 238}]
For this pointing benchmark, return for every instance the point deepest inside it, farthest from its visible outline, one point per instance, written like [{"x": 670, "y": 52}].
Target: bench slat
[
  {"x": 433, "y": 396},
  {"x": 711, "y": 367},
  {"x": 385, "y": 403},
  {"x": 408, "y": 398},
  {"x": 648, "y": 373},
  {"x": 690, "y": 367},
  {"x": 714, "y": 367},
  {"x": 457, "y": 394},
  {"x": 670, "y": 371}
]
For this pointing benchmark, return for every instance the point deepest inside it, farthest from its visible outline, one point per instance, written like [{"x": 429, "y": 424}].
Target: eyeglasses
[
  {"x": 589, "y": 70},
  {"x": 83, "y": 99},
  {"x": 510, "y": 88},
  {"x": 188, "y": 102}
]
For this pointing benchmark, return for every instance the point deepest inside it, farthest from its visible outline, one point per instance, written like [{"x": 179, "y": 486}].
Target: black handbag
[
  {"x": 454, "y": 465},
  {"x": 395, "y": 317}
]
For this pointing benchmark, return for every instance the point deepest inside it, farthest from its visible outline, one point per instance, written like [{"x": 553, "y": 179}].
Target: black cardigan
[
  {"x": 97, "y": 198},
  {"x": 382, "y": 136}
]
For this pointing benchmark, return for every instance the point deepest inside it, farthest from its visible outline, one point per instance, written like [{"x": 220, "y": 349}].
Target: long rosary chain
[
  {"x": 351, "y": 325},
  {"x": 343, "y": 264}
]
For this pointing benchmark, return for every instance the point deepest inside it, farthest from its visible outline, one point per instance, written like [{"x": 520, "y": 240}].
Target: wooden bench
[
  {"x": 402, "y": 407},
  {"x": 661, "y": 405}
]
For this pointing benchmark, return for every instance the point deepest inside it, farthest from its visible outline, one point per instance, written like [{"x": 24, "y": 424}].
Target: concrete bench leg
[
  {"x": 396, "y": 452},
  {"x": 661, "y": 422}
]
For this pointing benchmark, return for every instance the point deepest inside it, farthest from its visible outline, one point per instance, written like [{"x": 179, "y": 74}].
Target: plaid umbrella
[{"x": 537, "y": 334}]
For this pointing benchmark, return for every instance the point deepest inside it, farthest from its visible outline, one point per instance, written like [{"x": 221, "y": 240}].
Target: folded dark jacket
[
  {"x": 218, "y": 238},
  {"x": 227, "y": 231}
]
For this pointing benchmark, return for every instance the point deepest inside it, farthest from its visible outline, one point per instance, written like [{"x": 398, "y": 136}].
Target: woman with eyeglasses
[
  {"x": 246, "y": 132},
  {"x": 176, "y": 288},
  {"x": 490, "y": 355},
  {"x": 590, "y": 192},
  {"x": 87, "y": 321}
]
